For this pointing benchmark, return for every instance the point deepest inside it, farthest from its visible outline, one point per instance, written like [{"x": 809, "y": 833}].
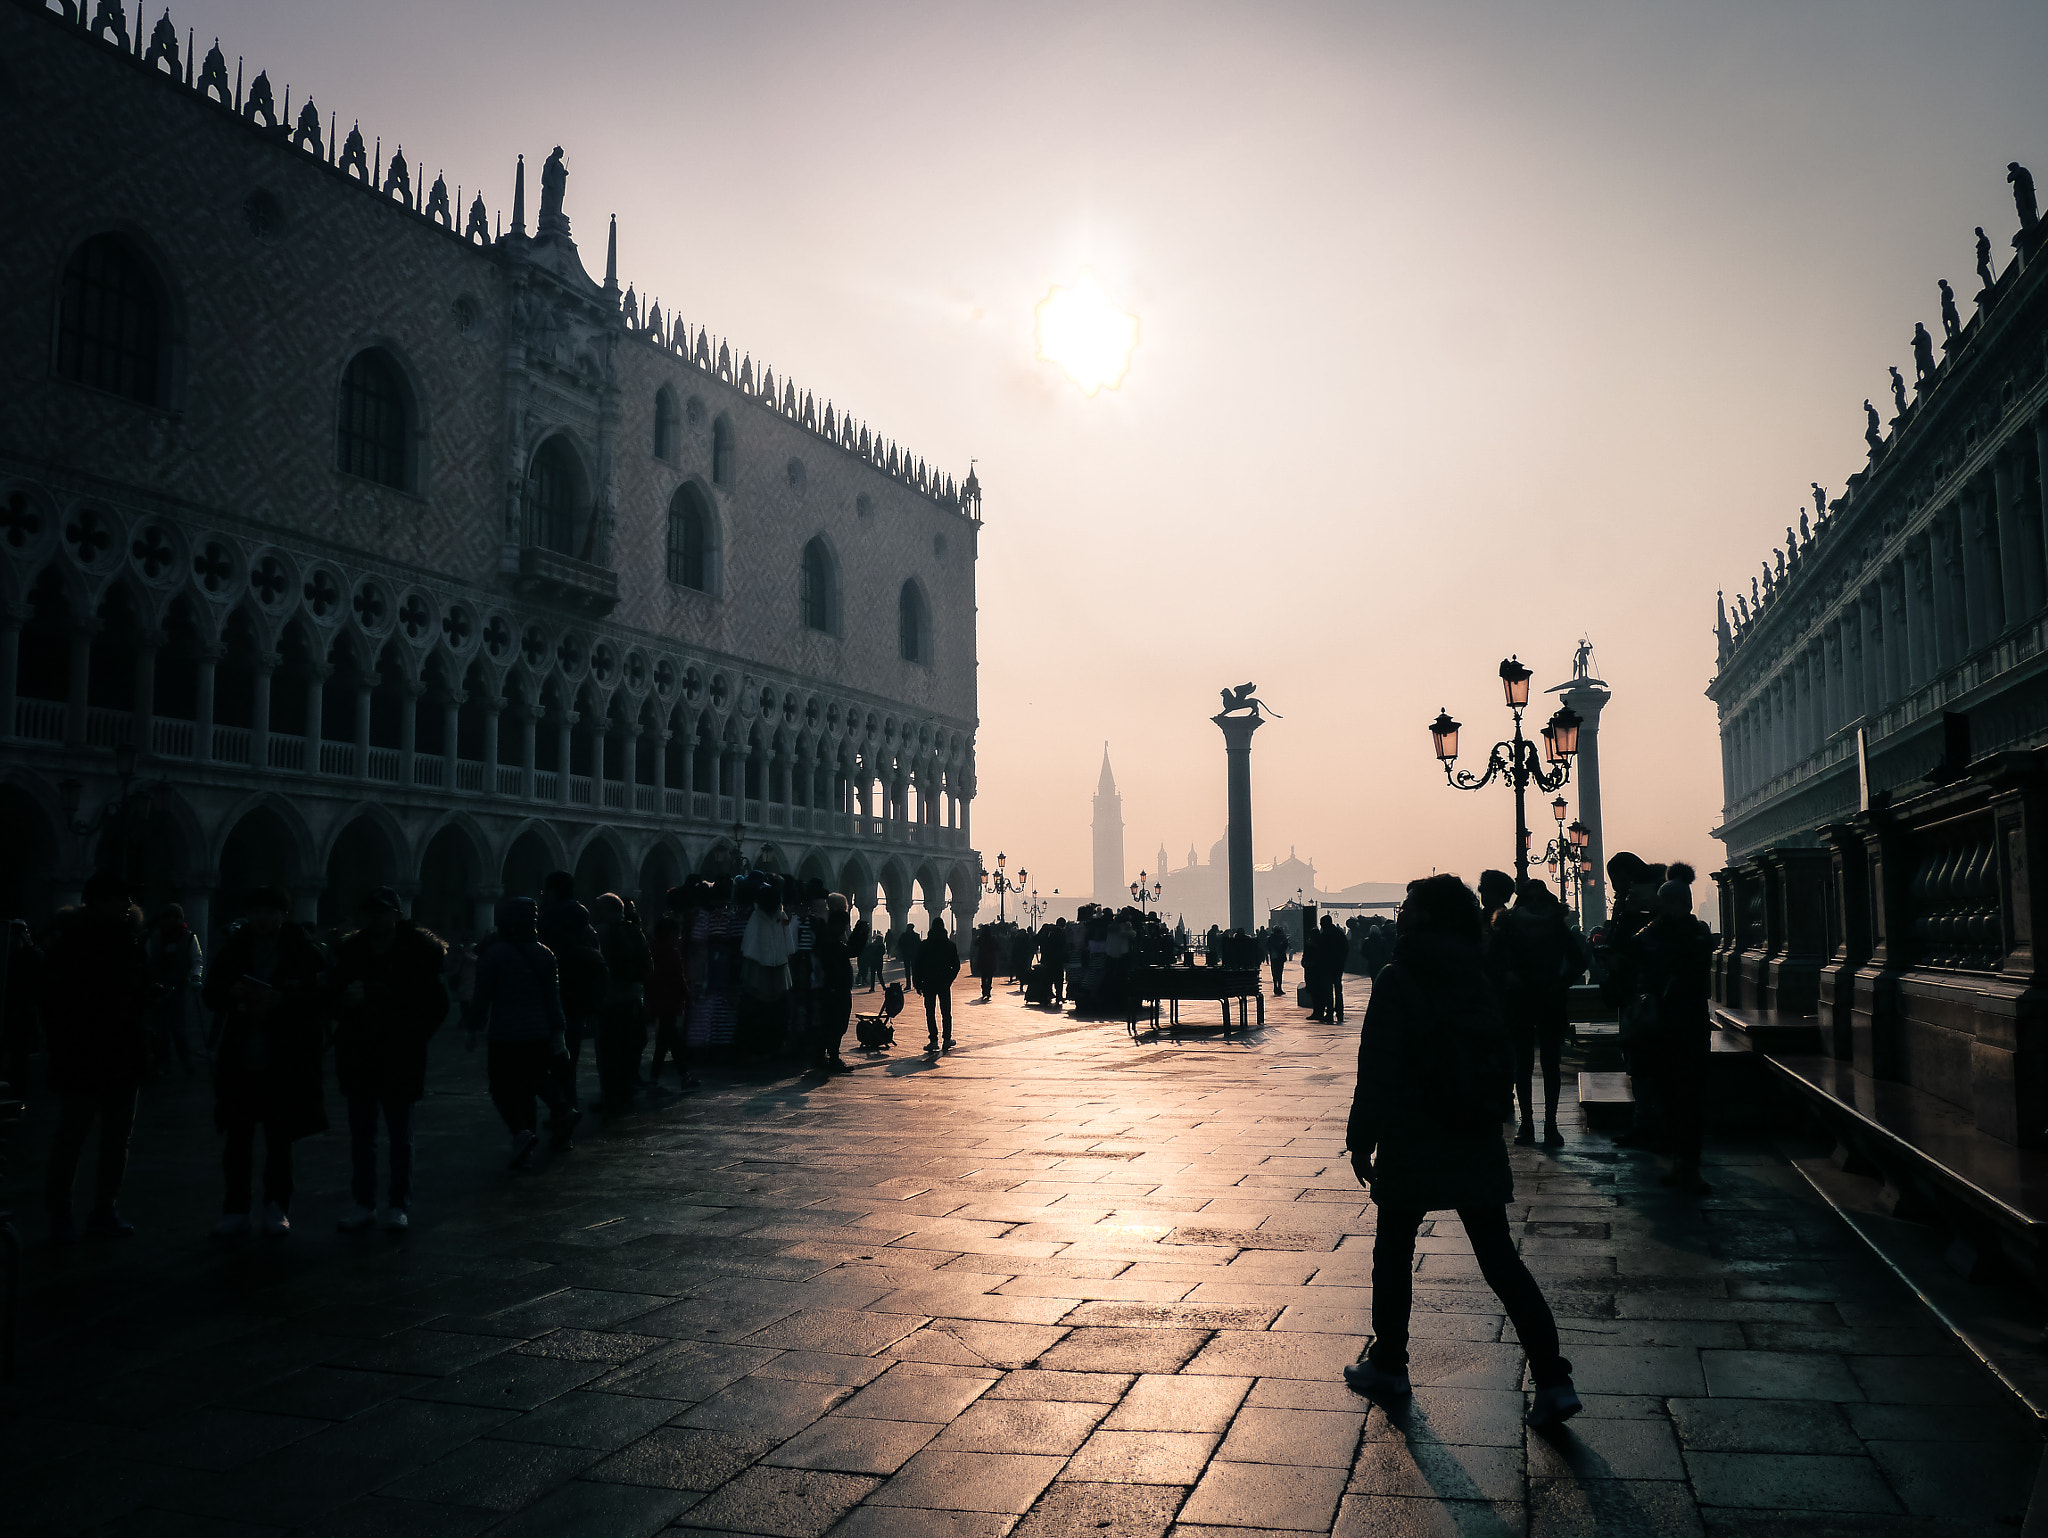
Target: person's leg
[
  {"x": 931, "y": 1018},
  {"x": 117, "y": 1121},
  {"x": 238, "y": 1167},
  {"x": 67, "y": 1145},
  {"x": 946, "y": 1010},
  {"x": 1522, "y": 1033},
  {"x": 511, "y": 1092},
  {"x": 398, "y": 1120},
  {"x": 1550, "y": 1040},
  {"x": 362, "y": 1148},
  {"x": 838, "y": 1012},
  {"x": 1393, "y": 1286},
  {"x": 1494, "y": 1248},
  {"x": 277, "y": 1170}
]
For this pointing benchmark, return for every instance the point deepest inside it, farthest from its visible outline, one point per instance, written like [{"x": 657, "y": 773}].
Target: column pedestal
[
  {"x": 1587, "y": 696},
  {"x": 1237, "y": 752}
]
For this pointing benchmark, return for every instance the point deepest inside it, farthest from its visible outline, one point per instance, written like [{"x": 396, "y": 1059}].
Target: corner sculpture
[
  {"x": 1923, "y": 354},
  {"x": 1242, "y": 698},
  {"x": 2022, "y": 196},
  {"x": 1951, "y": 322}
]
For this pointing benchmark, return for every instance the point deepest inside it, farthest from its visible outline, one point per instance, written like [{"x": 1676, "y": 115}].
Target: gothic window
[
  {"x": 110, "y": 321},
  {"x": 555, "y": 498},
  {"x": 666, "y": 424},
  {"x": 913, "y": 624},
  {"x": 374, "y": 429},
  {"x": 692, "y": 540},
  {"x": 722, "y": 454},
  {"x": 820, "y": 588}
]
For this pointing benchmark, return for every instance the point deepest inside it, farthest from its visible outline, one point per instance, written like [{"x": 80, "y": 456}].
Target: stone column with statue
[
  {"x": 1242, "y": 714},
  {"x": 1586, "y": 694}
]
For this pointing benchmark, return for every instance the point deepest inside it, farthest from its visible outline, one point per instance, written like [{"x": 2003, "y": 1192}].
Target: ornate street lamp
[
  {"x": 1001, "y": 884},
  {"x": 1142, "y": 894},
  {"x": 1515, "y": 760}
]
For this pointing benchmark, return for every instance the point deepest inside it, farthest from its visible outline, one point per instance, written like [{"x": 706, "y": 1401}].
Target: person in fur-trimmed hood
[{"x": 1435, "y": 1082}]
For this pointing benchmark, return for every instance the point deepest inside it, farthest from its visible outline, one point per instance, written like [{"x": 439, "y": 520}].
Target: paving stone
[
  {"x": 1131, "y": 1350},
  {"x": 1372, "y": 1516},
  {"x": 570, "y": 1345},
  {"x": 841, "y": 1331},
  {"x": 1178, "y": 1402},
  {"x": 979, "y": 1342},
  {"x": 1271, "y": 1354},
  {"x": 1074, "y": 1510},
  {"x": 683, "y": 1458},
  {"x": 904, "y": 1522},
  {"x": 1142, "y": 1457},
  {"x": 824, "y": 1367},
  {"x": 853, "y": 1445},
  {"x": 1454, "y": 1417},
  {"x": 783, "y": 1503},
  {"x": 1308, "y": 1438},
  {"x": 915, "y": 1397},
  {"x": 508, "y": 1382},
  {"x": 1434, "y": 1469},
  {"x": 1020, "y": 1426},
  {"x": 218, "y": 1439},
  {"x": 1080, "y": 1387},
  {"x": 423, "y": 1353},
  {"x": 1784, "y": 1426},
  {"x": 1789, "y": 1482},
  {"x": 1987, "y": 1485},
  {"x": 500, "y": 1476},
  {"x": 1924, "y": 1380},
  {"x": 383, "y": 1516},
  {"x": 694, "y": 1372},
  {"x": 769, "y": 1407},
  {"x": 1266, "y": 1495},
  {"x": 602, "y": 1421},
  {"x": 1592, "y": 1448},
  {"x": 1637, "y": 1370},
  {"x": 1612, "y": 1508},
  {"x": 950, "y": 1481},
  {"x": 2006, "y": 1422}
]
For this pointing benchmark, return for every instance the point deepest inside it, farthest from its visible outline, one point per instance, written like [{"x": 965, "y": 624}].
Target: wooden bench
[
  {"x": 1606, "y": 1100},
  {"x": 1151, "y": 986}
]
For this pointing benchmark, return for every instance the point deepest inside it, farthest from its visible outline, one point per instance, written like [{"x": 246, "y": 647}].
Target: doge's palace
[{"x": 352, "y": 534}]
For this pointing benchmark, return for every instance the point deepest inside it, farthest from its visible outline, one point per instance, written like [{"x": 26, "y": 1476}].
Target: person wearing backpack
[
  {"x": 1435, "y": 1081},
  {"x": 1540, "y": 959}
]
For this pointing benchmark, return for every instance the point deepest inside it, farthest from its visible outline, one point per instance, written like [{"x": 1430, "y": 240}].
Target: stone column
[
  {"x": 145, "y": 690},
  {"x": 451, "y": 721},
  {"x": 1898, "y": 639},
  {"x": 1941, "y": 600},
  {"x": 409, "y": 692},
  {"x": 494, "y": 706},
  {"x": 10, "y": 672},
  {"x": 2019, "y": 576},
  {"x": 366, "y": 686},
  {"x": 79, "y": 682},
  {"x": 264, "y": 668},
  {"x": 202, "y": 710},
  {"x": 485, "y": 912},
  {"x": 565, "y": 739},
  {"x": 661, "y": 771},
  {"x": 529, "y": 719},
  {"x": 196, "y": 898},
  {"x": 598, "y": 733},
  {"x": 1984, "y": 605},
  {"x": 630, "y": 770},
  {"x": 1874, "y": 696},
  {"x": 1237, "y": 754},
  {"x": 2041, "y": 466},
  {"x": 316, "y": 709}
]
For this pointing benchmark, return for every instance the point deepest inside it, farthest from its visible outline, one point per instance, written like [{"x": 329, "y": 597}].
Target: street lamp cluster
[
  {"x": 1566, "y": 854},
  {"x": 1143, "y": 895},
  {"x": 1516, "y": 760}
]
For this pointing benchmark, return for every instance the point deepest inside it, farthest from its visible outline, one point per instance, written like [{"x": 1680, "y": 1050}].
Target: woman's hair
[{"x": 1441, "y": 905}]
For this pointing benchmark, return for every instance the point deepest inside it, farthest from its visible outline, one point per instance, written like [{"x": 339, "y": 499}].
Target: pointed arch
[{"x": 913, "y": 623}]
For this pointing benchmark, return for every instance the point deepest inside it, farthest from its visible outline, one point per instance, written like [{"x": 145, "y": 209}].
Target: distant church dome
[{"x": 1219, "y": 852}]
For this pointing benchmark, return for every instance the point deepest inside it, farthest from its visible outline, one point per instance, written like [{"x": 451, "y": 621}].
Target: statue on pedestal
[
  {"x": 1242, "y": 698},
  {"x": 1984, "y": 273},
  {"x": 554, "y": 181},
  {"x": 2022, "y": 194},
  {"x": 1899, "y": 391},
  {"x": 1582, "y": 659},
  {"x": 1805, "y": 532},
  {"x": 1923, "y": 353},
  {"x": 1820, "y": 505},
  {"x": 1951, "y": 322},
  {"x": 1871, "y": 435}
]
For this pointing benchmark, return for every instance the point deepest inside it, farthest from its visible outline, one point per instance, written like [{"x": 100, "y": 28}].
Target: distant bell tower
[{"x": 1110, "y": 887}]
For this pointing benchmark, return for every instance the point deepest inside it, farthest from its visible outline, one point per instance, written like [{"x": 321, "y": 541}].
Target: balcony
[{"x": 565, "y": 580}]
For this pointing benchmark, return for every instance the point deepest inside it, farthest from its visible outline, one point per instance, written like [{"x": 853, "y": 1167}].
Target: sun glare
[{"x": 1087, "y": 335}]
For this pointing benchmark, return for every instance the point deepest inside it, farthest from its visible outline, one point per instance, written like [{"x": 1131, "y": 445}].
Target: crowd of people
[{"x": 747, "y": 968}]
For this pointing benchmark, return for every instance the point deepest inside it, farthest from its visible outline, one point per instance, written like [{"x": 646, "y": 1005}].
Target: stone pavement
[{"x": 1056, "y": 1283}]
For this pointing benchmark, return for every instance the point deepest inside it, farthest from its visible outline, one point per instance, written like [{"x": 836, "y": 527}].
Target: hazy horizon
[{"x": 1465, "y": 330}]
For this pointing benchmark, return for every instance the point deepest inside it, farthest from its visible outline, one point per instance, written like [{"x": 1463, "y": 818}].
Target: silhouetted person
[
  {"x": 668, "y": 987},
  {"x": 1543, "y": 958},
  {"x": 988, "y": 956},
  {"x": 836, "y": 947},
  {"x": 936, "y": 965},
  {"x": 1277, "y": 952},
  {"x": 872, "y": 958},
  {"x": 622, "y": 1012},
  {"x": 1434, "y": 1084},
  {"x": 176, "y": 965},
  {"x": 1634, "y": 885},
  {"x": 518, "y": 1006},
  {"x": 265, "y": 983},
  {"x": 96, "y": 1002},
  {"x": 1674, "y": 955},
  {"x": 563, "y": 926}
]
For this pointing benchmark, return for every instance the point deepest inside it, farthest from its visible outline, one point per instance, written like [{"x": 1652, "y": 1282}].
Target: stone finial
[
  {"x": 611, "y": 252},
  {"x": 519, "y": 198}
]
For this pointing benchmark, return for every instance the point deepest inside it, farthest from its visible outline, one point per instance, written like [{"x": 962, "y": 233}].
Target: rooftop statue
[
  {"x": 2022, "y": 194},
  {"x": 1923, "y": 352},
  {"x": 1770, "y": 582},
  {"x": 1242, "y": 698},
  {"x": 1899, "y": 391},
  {"x": 1582, "y": 659},
  {"x": 1805, "y": 533},
  {"x": 1778, "y": 556},
  {"x": 1870, "y": 432},
  {"x": 1820, "y": 504},
  {"x": 1984, "y": 273},
  {"x": 1742, "y": 604},
  {"x": 1951, "y": 322},
  {"x": 554, "y": 180},
  {"x": 1755, "y": 598}
]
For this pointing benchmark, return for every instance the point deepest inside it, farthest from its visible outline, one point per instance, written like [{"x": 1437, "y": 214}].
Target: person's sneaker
[
  {"x": 355, "y": 1221},
  {"x": 931, "y": 1044},
  {"x": 1554, "y": 1405},
  {"x": 948, "y": 1043},
  {"x": 1526, "y": 1136},
  {"x": 109, "y": 1224},
  {"x": 1552, "y": 1138},
  {"x": 523, "y": 1144},
  {"x": 395, "y": 1220},
  {"x": 63, "y": 1228},
  {"x": 838, "y": 1064},
  {"x": 1376, "y": 1383},
  {"x": 275, "y": 1224}
]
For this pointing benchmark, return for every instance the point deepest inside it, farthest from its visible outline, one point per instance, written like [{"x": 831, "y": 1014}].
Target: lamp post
[
  {"x": 1001, "y": 884},
  {"x": 1516, "y": 759},
  {"x": 1565, "y": 855},
  {"x": 1142, "y": 894},
  {"x": 1031, "y": 907}
]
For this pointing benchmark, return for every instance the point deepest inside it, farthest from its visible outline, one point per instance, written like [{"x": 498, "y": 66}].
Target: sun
[{"x": 1081, "y": 330}]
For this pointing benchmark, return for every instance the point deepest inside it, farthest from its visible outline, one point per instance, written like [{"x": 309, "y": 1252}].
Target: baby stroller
[{"x": 873, "y": 1031}]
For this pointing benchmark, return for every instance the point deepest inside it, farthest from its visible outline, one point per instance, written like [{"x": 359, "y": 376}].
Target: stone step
[{"x": 1606, "y": 1100}]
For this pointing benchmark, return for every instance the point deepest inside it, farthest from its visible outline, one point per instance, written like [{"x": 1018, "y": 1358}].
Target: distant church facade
[{"x": 381, "y": 544}]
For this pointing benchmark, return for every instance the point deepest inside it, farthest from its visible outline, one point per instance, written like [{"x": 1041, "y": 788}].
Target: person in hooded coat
[
  {"x": 392, "y": 999},
  {"x": 1435, "y": 1082},
  {"x": 266, "y": 982}
]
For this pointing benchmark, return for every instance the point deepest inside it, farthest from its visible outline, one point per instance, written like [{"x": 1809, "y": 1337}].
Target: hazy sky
[{"x": 1466, "y": 328}]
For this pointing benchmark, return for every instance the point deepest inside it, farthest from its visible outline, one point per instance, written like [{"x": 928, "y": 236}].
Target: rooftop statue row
[
  {"x": 394, "y": 179},
  {"x": 1784, "y": 562}
]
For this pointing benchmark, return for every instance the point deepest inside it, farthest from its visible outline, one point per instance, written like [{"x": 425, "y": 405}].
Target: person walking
[
  {"x": 518, "y": 1008},
  {"x": 765, "y": 949},
  {"x": 668, "y": 987},
  {"x": 1541, "y": 958},
  {"x": 871, "y": 958},
  {"x": 265, "y": 984},
  {"x": 564, "y": 927},
  {"x": 833, "y": 954},
  {"x": 1675, "y": 953},
  {"x": 392, "y": 1000},
  {"x": 1435, "y": 1081},
  {"x": 933, "y": 969},
  {"x": 622, "y": 1010},
  {"x": 1277, "y": 952},
  {"x": 988, "y": 955},
  {"x": 176, "y": 965},
  {"x": 97, "y": 995}
]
